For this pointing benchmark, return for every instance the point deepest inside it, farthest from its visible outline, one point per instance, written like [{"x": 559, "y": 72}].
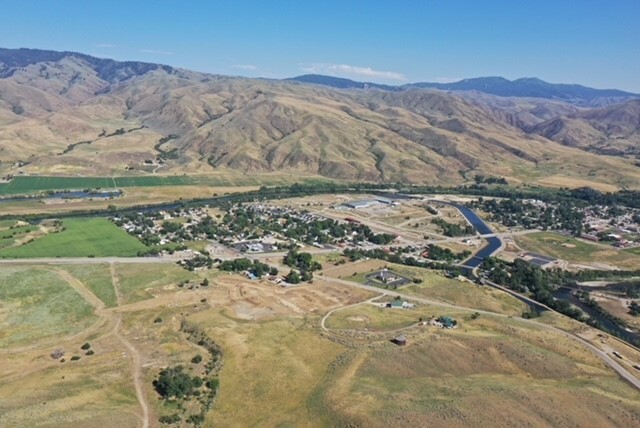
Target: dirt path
[
  {"x": 83, "y": 291},
  {"x": 107, "y": 316},
  {"x": 328, "y": 314},
  {"x": 137, "y": 359}
]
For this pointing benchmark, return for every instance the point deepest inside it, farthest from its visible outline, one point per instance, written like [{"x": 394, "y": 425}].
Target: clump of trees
[
  {"x": 199, "y": 261},
  {"x": 453, "y": 229},
  {"x": 255, "y": 267},
  {"x": 175, "y": 382},
  {"x": 304, "y": 263},
  {"x": 396, "y": 256},
  {"x": 445, "y": 254},
  {"x": 481, "y": 179}
]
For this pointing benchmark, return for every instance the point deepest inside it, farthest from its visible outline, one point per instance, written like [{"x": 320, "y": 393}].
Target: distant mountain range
[
  {"x": 107, "y": 69},
  {"x": 499, "y": 86},
  {"x": 68, "y": 113}
]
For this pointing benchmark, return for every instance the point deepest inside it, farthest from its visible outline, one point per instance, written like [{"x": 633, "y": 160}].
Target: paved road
[{"x": 617, "y": 367}]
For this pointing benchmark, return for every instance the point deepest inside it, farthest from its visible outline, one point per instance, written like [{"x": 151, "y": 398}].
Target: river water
[{"x": 64, "y": 195}]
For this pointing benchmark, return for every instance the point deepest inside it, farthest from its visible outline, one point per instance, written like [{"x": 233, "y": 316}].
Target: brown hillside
[{"x": 252, "y": 125}]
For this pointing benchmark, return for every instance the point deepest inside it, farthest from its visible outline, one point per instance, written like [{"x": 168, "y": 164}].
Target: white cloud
[
  {"x": 104, "y": 45},
  {"x": 249, "y": 67},
  {"x": 155, "y": 52},
  {"x": 353, "y": 71}
]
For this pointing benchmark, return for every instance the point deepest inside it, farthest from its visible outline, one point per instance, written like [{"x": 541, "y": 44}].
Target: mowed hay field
[
  {"x": 37, "y": 304},
  {"x": 576, "y": 250},
  {"x": 92, "y": 237},
  {"x": 488, "y": 372}
]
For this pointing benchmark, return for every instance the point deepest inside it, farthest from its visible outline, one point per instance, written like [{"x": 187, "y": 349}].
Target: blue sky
[{"x": 595, "y": 43}]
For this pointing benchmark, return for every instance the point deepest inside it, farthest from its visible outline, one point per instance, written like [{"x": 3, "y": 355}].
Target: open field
[
  {"x": 373, "y": 317},
  {"x": 34, "y": 184},
  {"x": 463, "y": 293},
  {"x": 97, "y": 278},
  {"x": 271, "y": 367},
  {"x": 434, "y": 285},
  {"x": 96, "y": 237},
  {"x": 94, "y": 391},
  {"x": 37, "y": 304},
  {"x": 576, "y": 250},
  {"x": 464, "y": 377},
  {"x": 140, "y": 282},
  {"x": 289, "y": 372}
]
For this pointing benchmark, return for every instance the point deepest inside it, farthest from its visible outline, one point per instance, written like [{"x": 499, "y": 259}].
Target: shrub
[
  {"x": 196, "y": 419},
  {"x": 197, "y": 359},
  {"x": 170, "y": 419},
  {"x": 75, "y": 358},
  {"x": 213, "y": 383},
  {"x": 86, "y": 346},
  {"x": 89, "y": 352}
]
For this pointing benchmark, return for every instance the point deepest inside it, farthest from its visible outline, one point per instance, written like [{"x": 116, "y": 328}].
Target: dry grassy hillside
[
  {"x": 613, "y": 130},
  {"x": 199, "y": 123}
]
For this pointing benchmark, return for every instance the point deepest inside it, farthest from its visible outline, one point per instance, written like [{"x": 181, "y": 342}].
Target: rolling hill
[{"x": 64, "y": 113}]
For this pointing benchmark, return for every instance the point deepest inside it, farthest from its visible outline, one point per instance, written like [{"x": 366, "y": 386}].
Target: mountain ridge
[
  {"x": 144, "y": 119},
  {"x": 527, "y": 87}
]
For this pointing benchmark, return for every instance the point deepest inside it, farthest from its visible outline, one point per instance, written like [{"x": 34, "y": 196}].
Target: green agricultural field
[
  {"x": 38, "y": 304},
  {"x": 35, "y": 184},
  {"x": 576, "y": 250},
  {"x": 94, "y": 237},
  {"x": 97, "y": 278},
  {"x": 25, "y": 185},
  {"x": 135, "y": 281}
]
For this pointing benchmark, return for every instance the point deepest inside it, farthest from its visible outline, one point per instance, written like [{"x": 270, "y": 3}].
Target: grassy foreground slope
[
  {"x": 36, "y": 304},
  {"x": 96, "y": 237},
  {"x": 489, "y": 372}
]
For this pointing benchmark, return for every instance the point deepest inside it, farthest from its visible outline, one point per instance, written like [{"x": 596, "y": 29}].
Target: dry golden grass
[
  {"x": 480, "y": 375},
  {"x": 281, "y": 366}
]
